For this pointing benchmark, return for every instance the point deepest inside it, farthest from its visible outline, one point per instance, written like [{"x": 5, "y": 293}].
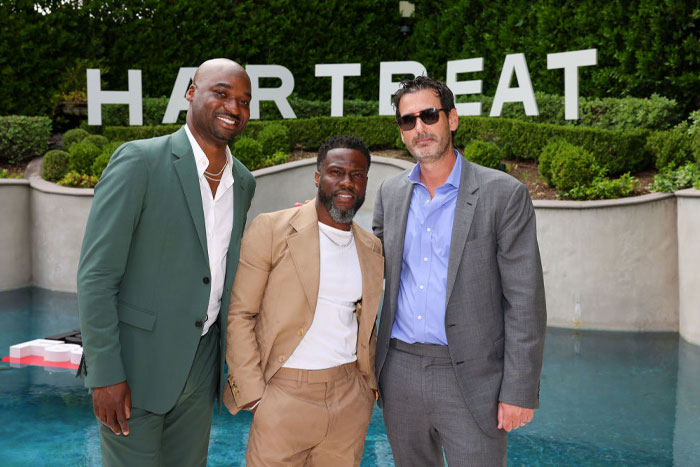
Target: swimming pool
[{"x": 607, "y": 399}]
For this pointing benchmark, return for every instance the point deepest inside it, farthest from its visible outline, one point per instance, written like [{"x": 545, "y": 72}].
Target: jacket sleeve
[
  {"x": 115, "y": 214},
  {"x": 243, "y": 357},
  {"x": 524, "y": 310}
]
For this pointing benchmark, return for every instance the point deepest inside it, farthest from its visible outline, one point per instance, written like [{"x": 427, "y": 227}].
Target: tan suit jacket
[{"x": 274, "y": 299}]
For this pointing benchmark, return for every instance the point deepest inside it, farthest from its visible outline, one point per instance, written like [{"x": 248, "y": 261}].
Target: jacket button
[
  {"x": 205, "y": 280},
  {"x": 301, "y": 332},
  {"x": 281, "y": 358},
  {"x": 198, "y": 323}
]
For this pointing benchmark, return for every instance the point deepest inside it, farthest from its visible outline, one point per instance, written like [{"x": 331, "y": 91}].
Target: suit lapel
[
  {"x": 186, "y": 170},
  {"x": 240, "y": 196},
  {"x": 372, "y": 268},
  {"x": 396, "y": 214},
  {"x": 305, "y": 251},
  {"x": 464, "y": 214}
]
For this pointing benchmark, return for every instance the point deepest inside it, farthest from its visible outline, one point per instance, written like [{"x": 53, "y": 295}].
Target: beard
[
  {"x": 431, "y": 153},
  {"x": 339, "y": 215}
]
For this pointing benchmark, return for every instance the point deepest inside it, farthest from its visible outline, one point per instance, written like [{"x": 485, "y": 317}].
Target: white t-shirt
[{"x": 332, "y": 337}]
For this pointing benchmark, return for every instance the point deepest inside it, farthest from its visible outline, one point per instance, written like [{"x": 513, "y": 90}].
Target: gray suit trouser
[{"x": 424, "y": 411}]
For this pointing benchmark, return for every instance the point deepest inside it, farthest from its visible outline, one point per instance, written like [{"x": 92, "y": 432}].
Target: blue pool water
[{"x": 606, "y": 399}]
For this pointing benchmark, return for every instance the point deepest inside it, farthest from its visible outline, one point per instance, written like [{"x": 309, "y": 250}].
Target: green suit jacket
[{"x": 144, "y": 276}]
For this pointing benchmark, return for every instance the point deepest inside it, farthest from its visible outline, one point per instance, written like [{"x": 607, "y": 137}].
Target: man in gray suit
[{"x": 461, "y": 334}]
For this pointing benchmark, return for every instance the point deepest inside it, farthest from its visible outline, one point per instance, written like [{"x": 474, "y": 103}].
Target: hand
[
  {"x": 297, "y": 204},
  {"x": 112, "y": 406},
  {"x": 512, "y": 417}
]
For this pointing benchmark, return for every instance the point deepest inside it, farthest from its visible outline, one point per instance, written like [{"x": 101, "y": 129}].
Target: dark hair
[
  {"x": 341, "y": 141},
  {"x": 447, "y": 99}
]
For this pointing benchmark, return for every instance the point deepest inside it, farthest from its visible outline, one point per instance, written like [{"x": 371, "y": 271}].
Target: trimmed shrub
[
  {"x": 672, "y": 179},
  {"x": 130, "y": 133},
  {"x": 102, "y": 160},
  {"x": 483, "y": 153},
  {"x": 73, "y": 136},
  {"x": 55, "y": 165},
  {"x": 249, "y": 152},
  {"x": 98, "y": 140},
  {"x": 280, "y": 157},
  {"x": 571, "y": 166},
  {"x": 548, "y": 154},
  {"x": 22, "y": 138},
  {"x": 603, "y": 188},
  {"x": 78, "y": 180},
  {"x": 673, "y": 147},
  {"x": 82, "y": 156},
  {"x": 274, "y": 138},
  {"x": 618, "y": 151}
]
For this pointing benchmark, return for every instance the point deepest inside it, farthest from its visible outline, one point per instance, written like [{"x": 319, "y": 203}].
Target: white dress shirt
[
  {"x": 218, "y": 222},
  {"x": 332, "y": 337}
]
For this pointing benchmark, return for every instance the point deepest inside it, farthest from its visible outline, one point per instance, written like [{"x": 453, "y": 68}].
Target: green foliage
[
  {"x": 603, "y": 188},
  {"x": 280, "y": 157},
  {"x": 568, "y": 166},
  {"x": 73, "y": 136},
  {"x": 82, "y": 156},
  {"x": 55, "y": 165},
  {"x": 22, "y": 137},
  {"x": 643, "y": 47},
  {"x": 483, "y": 153},
  {"x": 98, "y": 140},
  {"x": 5, "y": 173},
  {"x": 673, "y": 147},
  {"x": 78, "y": 180},
  {"x": 102, "y": 160},
  {"x": 629, "y": 113},
  {"x": 130, "y": 133},
  {"x": 548, "y": 154},
  {"x": 617, "y": 151},
  {"x": 249, "y": 152},
  {"x": 672, "y": 179},
  {"x": 153, "y": 112},
  {"x": 274, "y": 138}
]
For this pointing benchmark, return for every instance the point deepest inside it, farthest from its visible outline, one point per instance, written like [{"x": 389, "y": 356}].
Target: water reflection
[{"x": 606, "y": 398}]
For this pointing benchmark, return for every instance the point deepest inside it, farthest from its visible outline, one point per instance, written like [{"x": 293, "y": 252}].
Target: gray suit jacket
[{"x": 496, "y": 317}]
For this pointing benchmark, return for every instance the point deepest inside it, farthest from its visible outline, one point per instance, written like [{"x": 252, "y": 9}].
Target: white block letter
[
  {"x": 177, "y": 102},
  {"x": 96, "y": 97},
  {"x": 570, "y": 61},
  {"x": 337, "y": 71},
  {"x": 387, "y": 87},
  {"x": 523, "y": 93},
  {"x": 278, "y": 95},
  {"x": 469, "y": 65}
]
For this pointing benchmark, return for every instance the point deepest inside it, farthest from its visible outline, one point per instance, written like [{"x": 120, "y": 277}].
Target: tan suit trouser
[{"x": 311, "y": 418}]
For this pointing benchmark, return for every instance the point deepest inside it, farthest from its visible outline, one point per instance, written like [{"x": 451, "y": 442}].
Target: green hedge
[
  {"x": 618, "y": 151},
  {"x": 376, "y": 132},
  {"x": 22, "y": 138}
]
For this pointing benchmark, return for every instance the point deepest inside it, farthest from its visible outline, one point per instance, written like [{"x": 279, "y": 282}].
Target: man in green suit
[{"x": 158, "y": 260}]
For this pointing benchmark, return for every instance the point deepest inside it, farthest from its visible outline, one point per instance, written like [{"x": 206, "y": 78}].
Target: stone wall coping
[
  {"x": 688, "y": 193},
  {"x": 34, "y": 169},
  {"x": 400, "y": 163},
  {"x": 14, "y": 181},
  {"x": 605, "y": 203},
  {"x": 33, "y": 174}
]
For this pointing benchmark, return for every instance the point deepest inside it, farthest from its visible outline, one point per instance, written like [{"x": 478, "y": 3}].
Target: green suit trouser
[{"x": 178, "y": 437}]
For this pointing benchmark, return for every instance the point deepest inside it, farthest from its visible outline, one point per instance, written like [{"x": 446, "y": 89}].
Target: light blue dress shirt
[{"x": 420, "y": 309}]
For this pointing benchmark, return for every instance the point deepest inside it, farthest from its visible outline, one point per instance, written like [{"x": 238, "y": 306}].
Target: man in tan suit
[{"x": 302, "y": 321}]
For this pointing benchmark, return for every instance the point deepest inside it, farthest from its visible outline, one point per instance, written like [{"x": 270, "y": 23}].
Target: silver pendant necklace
[{"x": 334, "y": 242}]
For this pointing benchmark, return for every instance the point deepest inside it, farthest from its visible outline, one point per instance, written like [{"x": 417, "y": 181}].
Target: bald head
[
  {"x": 219, "y": 98},
  {"x": 218, "y": 65}
]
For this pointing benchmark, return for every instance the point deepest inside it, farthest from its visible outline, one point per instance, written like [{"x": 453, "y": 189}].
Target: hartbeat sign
[{"x": 514, "y": 64}]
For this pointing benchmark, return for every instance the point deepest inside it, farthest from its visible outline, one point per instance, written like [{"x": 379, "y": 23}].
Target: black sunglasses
[{"x": 429, "y": 117}]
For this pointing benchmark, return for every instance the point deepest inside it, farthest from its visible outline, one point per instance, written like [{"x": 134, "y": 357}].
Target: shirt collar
[
  {"x": 203, "y": 162},
  {"x": 453, "y": 179}
]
